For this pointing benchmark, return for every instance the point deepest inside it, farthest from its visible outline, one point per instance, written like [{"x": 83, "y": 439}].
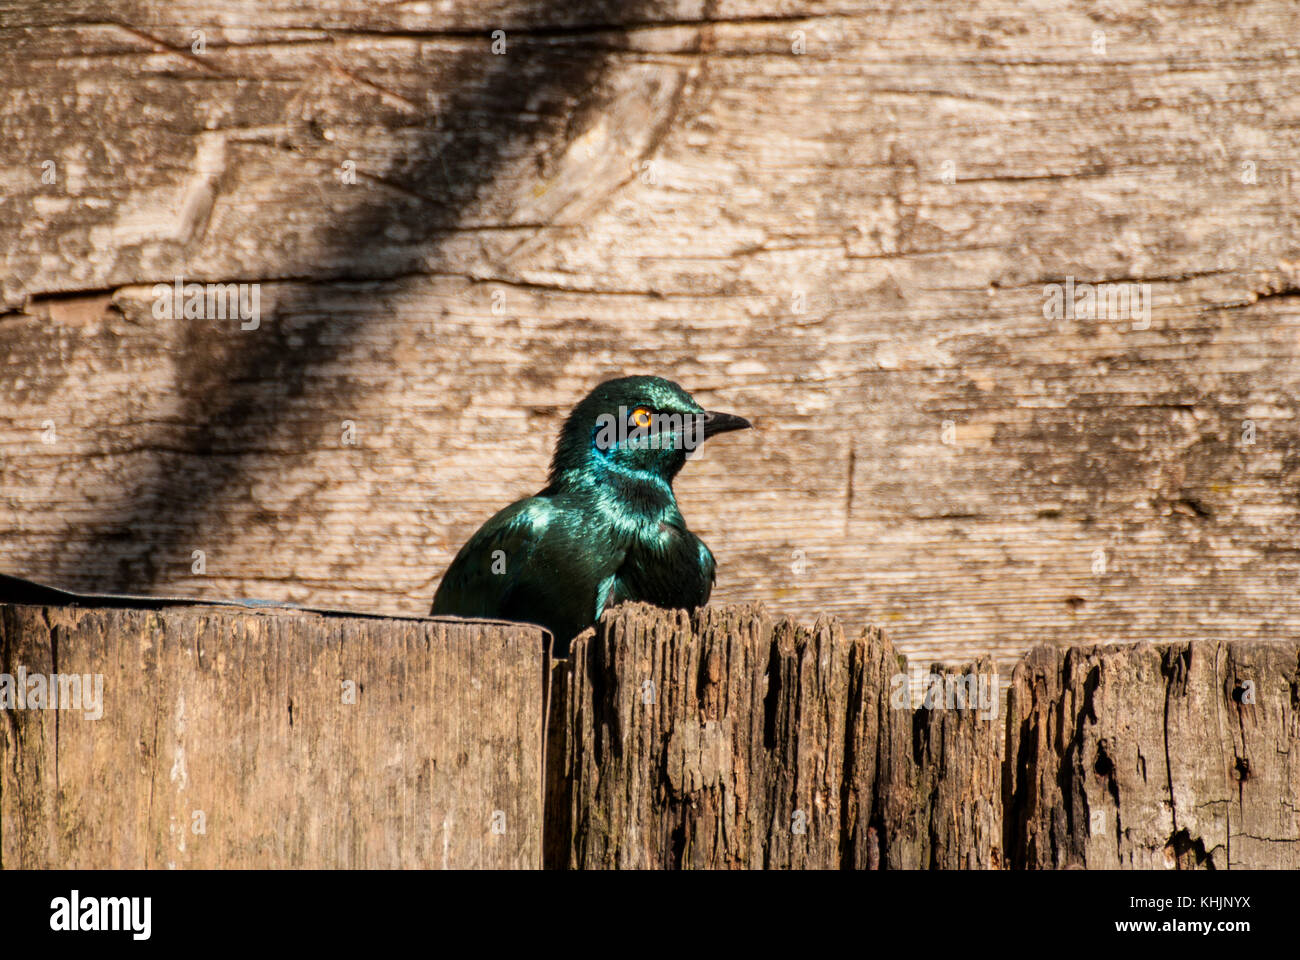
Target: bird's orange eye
[{"x": 641, "y": 417}]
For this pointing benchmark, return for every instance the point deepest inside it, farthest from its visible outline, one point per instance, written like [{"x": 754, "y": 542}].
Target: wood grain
[
  {"x": 733, "y": 740},
  {"x": 850, "y": 246},
  {"x": 273, "y": 740},
  {"x": 1155, "y": 756},
  {"x": 724, "y": 739}
]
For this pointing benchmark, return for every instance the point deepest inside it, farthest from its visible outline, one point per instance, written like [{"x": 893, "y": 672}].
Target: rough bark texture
[
  {"x": 957, "y": 746},
  {"x": 730, "y": 739},
  {"x": 848, "y": 245},
  {"x": 736, "y": 740},
  {"x": 240, "y": 724},
  {"x": 1178, "y": 755}
]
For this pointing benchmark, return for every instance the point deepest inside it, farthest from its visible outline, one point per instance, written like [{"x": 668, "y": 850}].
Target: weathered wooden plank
[
  {"x": 275, "y": 739},
  {"x": 957, "y": 743},
  {"x": 1175, "y": 755},
  {"x": 850, "y": 246},
  {"x": 727, "y": 739},
  {"x": 733, "y": 740}
]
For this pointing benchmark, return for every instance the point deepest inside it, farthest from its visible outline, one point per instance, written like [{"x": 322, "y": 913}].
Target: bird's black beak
[{"x": 715, "y": 423}]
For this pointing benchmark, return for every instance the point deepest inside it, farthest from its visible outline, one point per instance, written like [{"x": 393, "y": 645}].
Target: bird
[{"x": 606, "y": 528}]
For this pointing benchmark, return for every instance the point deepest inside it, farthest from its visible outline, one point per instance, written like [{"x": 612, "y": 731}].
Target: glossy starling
[{"x": 606, "y": 529}]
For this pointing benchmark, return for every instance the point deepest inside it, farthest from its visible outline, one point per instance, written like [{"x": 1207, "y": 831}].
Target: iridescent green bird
[{"x": 607, "y": 527}]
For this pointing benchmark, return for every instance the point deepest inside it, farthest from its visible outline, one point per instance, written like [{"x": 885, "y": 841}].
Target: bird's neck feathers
[{"x": 607, "y": 477}]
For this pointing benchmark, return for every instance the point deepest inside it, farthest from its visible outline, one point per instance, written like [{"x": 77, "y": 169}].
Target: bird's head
[{"x": 635, "y": 429}]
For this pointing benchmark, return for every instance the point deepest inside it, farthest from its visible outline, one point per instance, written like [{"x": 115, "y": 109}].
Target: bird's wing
[
  {"x": 485, "y": 573},
  {"x": 677, "y": 572},
  {"x": 709, "y": 568},
  {"x": 612, "y": 591}
]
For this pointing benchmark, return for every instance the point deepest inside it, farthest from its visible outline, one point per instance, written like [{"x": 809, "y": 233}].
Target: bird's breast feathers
[{"x": 544, "y": 560}]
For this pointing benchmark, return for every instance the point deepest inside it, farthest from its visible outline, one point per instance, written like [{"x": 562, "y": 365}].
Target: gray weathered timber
[
  {"x": 849, "y": 245},
  {"x": 273, "y": 739},
  {"x": 1155, "y": 756},
  {"x": 733, "y": 740}
]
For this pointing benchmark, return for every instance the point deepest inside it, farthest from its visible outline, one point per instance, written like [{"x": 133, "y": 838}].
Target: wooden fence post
[
  {"x": 272, "y": 739},
  {"x": 218, "y": 737},
  {"x": 957, "y": 746},
  {"x": 734, "y": 740},
  {"x": 1184, "y": 755}
]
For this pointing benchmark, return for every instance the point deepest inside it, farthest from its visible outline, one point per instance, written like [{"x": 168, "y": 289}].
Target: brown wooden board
[{"x": 274, "y": 739}]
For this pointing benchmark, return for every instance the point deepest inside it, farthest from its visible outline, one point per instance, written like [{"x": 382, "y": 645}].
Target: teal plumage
[{"x": 605, "y": 529}]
